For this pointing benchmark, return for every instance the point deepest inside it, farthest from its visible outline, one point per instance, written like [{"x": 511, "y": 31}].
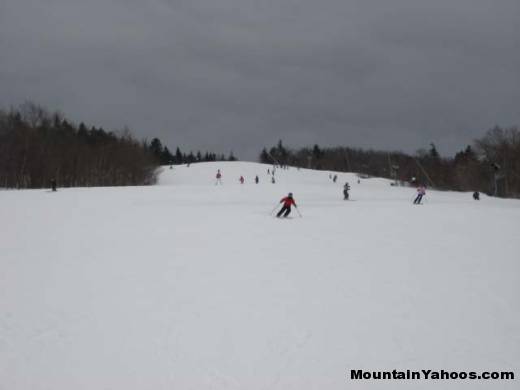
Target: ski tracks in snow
[{"x": 289, "y": 353}]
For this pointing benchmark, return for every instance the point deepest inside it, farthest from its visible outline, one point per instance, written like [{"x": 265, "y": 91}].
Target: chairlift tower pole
[{"x": 496, "y": 176}]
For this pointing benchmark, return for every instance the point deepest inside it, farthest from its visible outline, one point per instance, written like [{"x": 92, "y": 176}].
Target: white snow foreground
[{"x": 192, "y": 285}]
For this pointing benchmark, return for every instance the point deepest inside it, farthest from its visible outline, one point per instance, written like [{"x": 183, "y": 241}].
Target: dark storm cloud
[{"x": 222, "y": 74}]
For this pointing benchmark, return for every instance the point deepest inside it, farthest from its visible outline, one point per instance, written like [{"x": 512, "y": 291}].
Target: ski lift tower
[
  {"x": 395, "y": 170},
  {"x": 498, "y": 175}
]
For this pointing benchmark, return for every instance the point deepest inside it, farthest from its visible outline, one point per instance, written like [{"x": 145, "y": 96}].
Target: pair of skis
[{"x": 275, "y": 207}]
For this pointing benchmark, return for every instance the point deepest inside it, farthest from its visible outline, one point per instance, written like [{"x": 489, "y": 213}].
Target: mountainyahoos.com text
[{"x": 431, "y": 375}]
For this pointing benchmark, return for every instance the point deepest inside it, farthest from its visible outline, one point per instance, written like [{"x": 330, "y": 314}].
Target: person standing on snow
[
  {"x": 288, "y": 201},
  {"x": 346, "y": 189},
  {"x": 257, "y": 179},
  {"x": 219, "y": 177},
  {"x": 421, "y": 191},
  {"x": 241, "y": 179}
]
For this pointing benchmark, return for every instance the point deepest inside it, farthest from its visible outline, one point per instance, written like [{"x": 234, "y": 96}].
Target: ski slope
[{"x": 192, "y": 285}]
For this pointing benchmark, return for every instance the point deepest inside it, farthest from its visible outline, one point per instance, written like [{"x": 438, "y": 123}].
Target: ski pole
[
  {"x": 300, "y": 214},
  {"x": 275, "y": 207}
]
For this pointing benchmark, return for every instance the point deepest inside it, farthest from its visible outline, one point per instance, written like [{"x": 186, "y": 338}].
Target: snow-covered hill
[{"x": 192, "y": 285}]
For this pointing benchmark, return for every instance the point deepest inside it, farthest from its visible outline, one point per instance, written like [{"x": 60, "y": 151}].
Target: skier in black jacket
[{"x": 346, "y": 189}]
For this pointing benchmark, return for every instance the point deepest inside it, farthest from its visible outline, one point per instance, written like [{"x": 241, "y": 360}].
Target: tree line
[
  {"x": 490, "y": 165},
  {"x": 37, "y": 146},
  {"x": 165, "y": 157}
]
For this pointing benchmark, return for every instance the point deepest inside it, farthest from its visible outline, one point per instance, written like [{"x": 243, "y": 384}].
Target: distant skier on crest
[
  {"x": 241, "y": 179},
  {"x": 219, "y": 177},
  {"x": 288, "y": 201}
]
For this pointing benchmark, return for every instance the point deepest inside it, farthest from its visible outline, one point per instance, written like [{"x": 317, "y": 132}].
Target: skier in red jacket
[{"x": 288, "y": 201}]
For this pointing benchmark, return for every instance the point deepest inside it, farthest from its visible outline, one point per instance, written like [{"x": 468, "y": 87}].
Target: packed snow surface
[{"x": 192, "y": 285}]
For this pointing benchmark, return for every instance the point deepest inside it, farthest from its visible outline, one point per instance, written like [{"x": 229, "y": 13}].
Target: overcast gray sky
[{"x": 241, "y": 74}]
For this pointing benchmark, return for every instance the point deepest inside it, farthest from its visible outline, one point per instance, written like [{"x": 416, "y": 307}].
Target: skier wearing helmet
[{"x": 288, "y": 201}]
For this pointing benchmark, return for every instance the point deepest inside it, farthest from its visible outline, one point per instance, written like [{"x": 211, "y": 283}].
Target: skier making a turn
[{"x": 288, "y": 201}]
